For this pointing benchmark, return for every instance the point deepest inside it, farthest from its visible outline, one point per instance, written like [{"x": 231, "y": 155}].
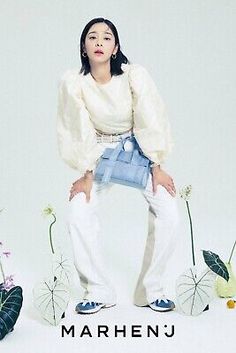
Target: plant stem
[
  {"x": 191, "y": 229},
  {"x": 232, "y": 251},
  {"x": 50, "y": 232},
  {"x": 3, "y": 276}
]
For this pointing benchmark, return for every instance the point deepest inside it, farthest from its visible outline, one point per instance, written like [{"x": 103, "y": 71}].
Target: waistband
[{"x": 105, "y": 137}]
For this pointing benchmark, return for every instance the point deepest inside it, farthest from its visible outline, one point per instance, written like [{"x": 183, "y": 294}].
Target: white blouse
[{"x": 129, "y": 100}]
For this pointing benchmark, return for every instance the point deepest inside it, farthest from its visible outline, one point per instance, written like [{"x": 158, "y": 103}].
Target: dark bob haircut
[{"x": 115, "y": 63}]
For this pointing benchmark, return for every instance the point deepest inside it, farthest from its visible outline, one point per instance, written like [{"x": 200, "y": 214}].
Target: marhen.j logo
[{"x": 118, "y": 331}]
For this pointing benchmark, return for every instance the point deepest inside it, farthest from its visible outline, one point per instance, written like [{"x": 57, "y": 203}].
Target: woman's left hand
[{"x": 159, "y": 176}]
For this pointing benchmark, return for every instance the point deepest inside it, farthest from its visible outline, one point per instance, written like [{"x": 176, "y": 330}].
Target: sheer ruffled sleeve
[
  {"x": 151, "y": 125},
  {"x": 75, "y": 132}
]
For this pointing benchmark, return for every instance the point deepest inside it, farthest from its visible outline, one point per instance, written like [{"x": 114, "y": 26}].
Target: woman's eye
[{"x": 93, "y": 37}]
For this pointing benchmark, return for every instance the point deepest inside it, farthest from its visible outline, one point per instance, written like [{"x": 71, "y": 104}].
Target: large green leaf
[
  {"x": 194, "y": 293},
  {"x": 10, "y": 306},
  {"x": 51, "y": 298},
  {"x": 216, "y": 264}
]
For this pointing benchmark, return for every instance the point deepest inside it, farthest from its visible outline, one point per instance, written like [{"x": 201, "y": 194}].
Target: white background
[{"x": 189, "y": 48}]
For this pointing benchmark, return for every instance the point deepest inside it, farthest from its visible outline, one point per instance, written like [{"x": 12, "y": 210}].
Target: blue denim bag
[{"x": 129, "y": 168}]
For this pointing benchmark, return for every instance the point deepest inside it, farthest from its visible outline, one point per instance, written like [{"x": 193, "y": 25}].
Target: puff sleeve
[
  {"x": 76, "y": 135},
  {"x": 151, "y": 125}
]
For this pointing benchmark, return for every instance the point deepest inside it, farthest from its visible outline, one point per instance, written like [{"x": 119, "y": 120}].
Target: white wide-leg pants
[{"x": 85, "y": 233}]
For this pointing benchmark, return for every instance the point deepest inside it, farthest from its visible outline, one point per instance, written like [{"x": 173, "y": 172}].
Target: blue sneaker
[
  {"x": 162, "y": 304},
  {"x": 87, "y": 307}
]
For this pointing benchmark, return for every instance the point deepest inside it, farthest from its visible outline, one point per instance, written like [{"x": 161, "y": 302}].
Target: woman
[{"x": 108, "y": 100}]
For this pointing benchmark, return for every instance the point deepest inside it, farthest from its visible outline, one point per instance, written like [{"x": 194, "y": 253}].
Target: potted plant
[
  {"x": 51, "y": 296},
  {"x": 227, "y": 289},
  {"x": 11, "y": 298},
  {"x": 194, "y": 292}
]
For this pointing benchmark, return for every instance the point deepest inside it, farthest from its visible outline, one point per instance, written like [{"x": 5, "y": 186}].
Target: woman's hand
[
  {"x": 162, "y": 178},
  {"x": 84, "y": 184}
]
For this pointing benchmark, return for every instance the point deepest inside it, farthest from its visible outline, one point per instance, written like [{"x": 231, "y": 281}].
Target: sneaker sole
[
  {"x": 108, "y": 306},
  {"x": 162, "y": 310}
]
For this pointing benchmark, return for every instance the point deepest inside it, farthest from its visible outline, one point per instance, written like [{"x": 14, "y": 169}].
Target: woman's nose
[{"x": 99, "y": 41}]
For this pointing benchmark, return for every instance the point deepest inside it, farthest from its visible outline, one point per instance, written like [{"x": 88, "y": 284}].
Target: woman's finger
[
  {"x": 173, "y": 187},
  {"x": 170, "y": 181},
  {"x": 87, "y": 194},
  {"x": 154, "y": 185},
  {"x": 170, "y": 190},
  {"x": 72, "y": 194}
]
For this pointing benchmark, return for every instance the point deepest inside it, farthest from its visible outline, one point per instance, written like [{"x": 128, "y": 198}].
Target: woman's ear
[{"x": 115, "y": 49}]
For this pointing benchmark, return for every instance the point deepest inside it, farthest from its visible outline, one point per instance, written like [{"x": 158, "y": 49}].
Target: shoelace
[
  {"x": 85, "y": 302},
  {"x": 165, "y": 300}
]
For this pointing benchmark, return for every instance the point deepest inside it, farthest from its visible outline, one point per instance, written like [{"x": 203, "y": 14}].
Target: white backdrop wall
[{"x": 189, "y": 48}]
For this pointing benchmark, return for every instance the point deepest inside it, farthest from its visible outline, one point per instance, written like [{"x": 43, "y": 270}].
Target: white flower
[
  {"x": 48, "y": 210},
  {"x": 185, "y": 192}
]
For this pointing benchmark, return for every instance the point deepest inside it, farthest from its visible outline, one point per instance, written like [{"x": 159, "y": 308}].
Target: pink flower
[
  {"x": 8, "y": 284},
  {"x": 7, "y": 253}
]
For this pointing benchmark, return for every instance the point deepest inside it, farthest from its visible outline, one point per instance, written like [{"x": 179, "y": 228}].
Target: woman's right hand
[{"x": 84, "y": 184}]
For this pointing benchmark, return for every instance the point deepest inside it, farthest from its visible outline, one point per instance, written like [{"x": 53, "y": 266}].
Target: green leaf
[
  {"x": 213, "y": 261},
  {"x": 10, "y": 306}
]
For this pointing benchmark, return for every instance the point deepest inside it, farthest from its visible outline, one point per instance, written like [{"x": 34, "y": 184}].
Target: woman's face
[{"x": 100, "y": 43}]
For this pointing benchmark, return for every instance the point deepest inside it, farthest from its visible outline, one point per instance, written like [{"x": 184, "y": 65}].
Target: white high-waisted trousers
[{"x": 85, "y": 233}]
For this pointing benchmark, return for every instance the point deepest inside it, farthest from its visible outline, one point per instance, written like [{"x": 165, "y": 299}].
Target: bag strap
[
  {"x": 135, "y": 157},
  {"x": 112, "y": 159},
  {"x": 107, "y": 173}
]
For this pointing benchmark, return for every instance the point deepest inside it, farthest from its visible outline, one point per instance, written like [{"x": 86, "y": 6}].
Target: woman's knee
[{"x": 165, "y": 206}]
